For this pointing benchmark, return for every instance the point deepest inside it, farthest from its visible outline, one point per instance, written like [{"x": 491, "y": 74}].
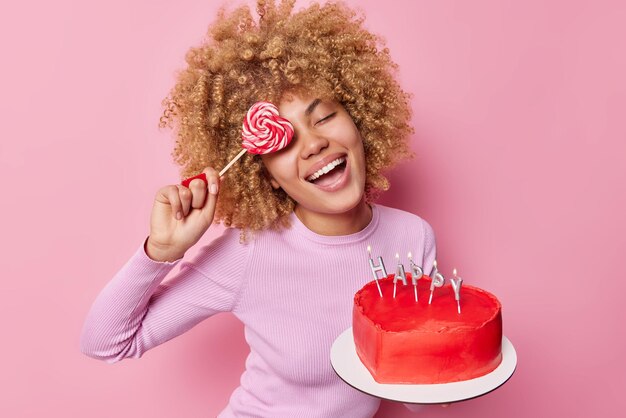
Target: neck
[{"x": 345, "y": 223}]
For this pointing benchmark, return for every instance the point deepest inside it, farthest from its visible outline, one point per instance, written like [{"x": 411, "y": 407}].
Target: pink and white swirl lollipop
[{"x": 263, "y": 132}]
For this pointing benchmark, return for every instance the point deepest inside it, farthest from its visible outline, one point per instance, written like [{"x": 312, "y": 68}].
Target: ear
[
  {"x": 267, "y": 175},
  {"x": 274, "y": 183}
]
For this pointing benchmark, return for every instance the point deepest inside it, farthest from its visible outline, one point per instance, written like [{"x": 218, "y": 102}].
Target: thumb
[{"x": 208, "y": 210}]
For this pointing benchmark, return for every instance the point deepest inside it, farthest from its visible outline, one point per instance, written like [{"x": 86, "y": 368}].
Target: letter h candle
[{"x": 377, "y": 268}]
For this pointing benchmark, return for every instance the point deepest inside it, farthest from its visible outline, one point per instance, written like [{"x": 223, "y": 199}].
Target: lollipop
[{"x": 263, "y": 131}]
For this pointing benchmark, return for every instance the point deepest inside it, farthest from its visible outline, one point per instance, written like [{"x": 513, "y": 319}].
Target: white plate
[{"x": 348, "y": 366}]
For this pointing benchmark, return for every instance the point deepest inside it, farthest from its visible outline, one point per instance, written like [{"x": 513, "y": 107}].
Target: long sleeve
[
  {"x": 136, "y": 311},
  {"x": 292, "y": 289}
]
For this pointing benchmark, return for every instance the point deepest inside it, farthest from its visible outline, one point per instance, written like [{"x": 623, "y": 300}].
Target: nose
[{"x": 312, "y": 144}]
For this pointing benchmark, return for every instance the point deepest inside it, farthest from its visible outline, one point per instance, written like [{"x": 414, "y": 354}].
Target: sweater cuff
[{"x": 143, "y": 258}]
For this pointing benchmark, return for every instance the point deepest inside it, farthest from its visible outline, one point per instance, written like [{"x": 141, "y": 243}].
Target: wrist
[{"x": 161, "y": 253}]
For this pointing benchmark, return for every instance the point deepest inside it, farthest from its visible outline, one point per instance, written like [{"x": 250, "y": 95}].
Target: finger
[
  {"x": 187, "y": 181},
  {"x": 168, "y": 195},
  {"x": 213, "y": 186},
  {"x": 213, "y": 180},
  {"x": 198, "y": 191},
  {"x": 208, "y": 211},
  {"x": 185, "y": 196}
]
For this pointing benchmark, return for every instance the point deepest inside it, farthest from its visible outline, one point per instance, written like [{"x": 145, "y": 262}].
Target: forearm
[{"x": 111, "y": 326}]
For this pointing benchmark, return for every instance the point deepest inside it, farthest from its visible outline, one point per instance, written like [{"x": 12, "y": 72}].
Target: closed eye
[{"x": 326, "y": 118}]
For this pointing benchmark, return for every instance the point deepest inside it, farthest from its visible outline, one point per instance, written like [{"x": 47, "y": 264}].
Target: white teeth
[{"x": 326, "y": 169}]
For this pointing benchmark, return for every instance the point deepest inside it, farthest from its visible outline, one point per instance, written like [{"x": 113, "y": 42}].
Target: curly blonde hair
[{"x": 323, "y": 50}]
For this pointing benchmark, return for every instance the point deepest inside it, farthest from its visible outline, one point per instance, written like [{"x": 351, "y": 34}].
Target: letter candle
[
  {"x": 416, "y": 274},
  {"x": 456, "y": 285},
  {"x": 437, "y": 281},
  {"x": 376, "y": 268},
  {"x": 400, "y": 275}
]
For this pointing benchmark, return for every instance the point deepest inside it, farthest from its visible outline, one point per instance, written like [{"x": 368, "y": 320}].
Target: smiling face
[{"x": 323, "y": 169}]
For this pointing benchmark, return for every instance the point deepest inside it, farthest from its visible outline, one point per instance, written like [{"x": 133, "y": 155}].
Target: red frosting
[{"x": 403, "y": 341}]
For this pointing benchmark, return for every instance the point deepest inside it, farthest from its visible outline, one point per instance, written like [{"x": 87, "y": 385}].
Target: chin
[{"x": 343, "y": 204}]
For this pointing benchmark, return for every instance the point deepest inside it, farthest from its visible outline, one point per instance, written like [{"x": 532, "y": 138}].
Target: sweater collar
[{"x": 299, "y": 228}]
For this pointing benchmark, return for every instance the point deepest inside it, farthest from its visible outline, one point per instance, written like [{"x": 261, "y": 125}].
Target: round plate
[{"x": 348, "y": 366}]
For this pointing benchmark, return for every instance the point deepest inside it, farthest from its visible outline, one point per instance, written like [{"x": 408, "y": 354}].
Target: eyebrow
[{"x": 312, "y": 106}]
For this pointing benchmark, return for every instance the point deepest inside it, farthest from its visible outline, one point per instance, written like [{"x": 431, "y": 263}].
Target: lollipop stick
[{"x": 233, "y": 161}]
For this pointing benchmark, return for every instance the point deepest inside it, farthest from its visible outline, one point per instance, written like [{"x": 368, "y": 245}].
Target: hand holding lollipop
[
  {"x": 263, "y": 132},
  {"x": 182, "y": 213}
]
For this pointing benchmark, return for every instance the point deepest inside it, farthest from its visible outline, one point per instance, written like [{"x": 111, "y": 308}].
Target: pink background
[{"x": 519, "y": 116}]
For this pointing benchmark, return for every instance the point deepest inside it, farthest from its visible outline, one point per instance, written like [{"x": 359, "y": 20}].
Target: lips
[
  {"x": 333, "y": 172},
  {"x": 326, "y": 169},
  {"x": 321, "y": 164}
]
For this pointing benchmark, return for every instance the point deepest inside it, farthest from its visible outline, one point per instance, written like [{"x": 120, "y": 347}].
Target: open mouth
[{"x": 329, "y": 174}]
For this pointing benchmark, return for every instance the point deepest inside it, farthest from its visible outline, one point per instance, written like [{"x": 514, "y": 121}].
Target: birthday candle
[
  {"x": 456, "y": 285},
  {"x": 400, "y": 275},
  {"x": 376, "y": 268},
  {"x": 416, "y": 274},
  {"x": 437, "y": 281}
]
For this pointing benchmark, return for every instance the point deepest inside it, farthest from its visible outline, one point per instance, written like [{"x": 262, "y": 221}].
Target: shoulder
[
  {"x": 400, "y": 223},
  {"x": 221, "y": 253},
  {"x": 229, "y": 239},
  {"x": 397, "y": 218},
  {"x": 400, "y": 229}
]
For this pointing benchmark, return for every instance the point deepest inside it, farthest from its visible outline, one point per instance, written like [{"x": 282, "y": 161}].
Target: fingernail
[
  {"x": 179, "y": 215},
  {"x": 213, "y": 189}
]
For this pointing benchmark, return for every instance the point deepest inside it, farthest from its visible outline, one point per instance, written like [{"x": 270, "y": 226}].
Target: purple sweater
[{"x": 293, "y": 290}]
